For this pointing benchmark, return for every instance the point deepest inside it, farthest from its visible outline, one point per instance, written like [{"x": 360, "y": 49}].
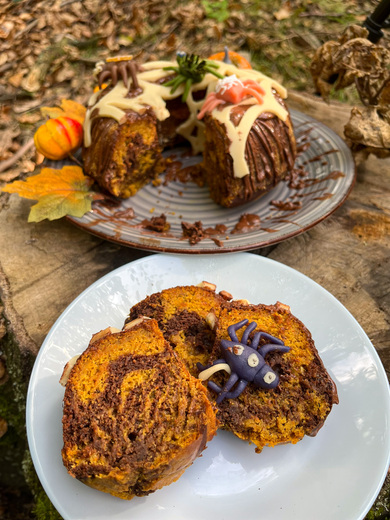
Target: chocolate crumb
[
  {"x": 158, "y": 224},
  {"x": 246, "y": 223},
  {"x": 194, "y": 232},
  {"x": 290, "y": 205}
]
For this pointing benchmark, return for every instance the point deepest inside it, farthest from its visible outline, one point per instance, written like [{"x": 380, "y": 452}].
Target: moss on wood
[{"x": 16, "y": 467}]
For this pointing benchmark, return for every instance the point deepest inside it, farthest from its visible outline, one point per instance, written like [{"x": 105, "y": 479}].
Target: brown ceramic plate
[{"x": 327, "y": 176}]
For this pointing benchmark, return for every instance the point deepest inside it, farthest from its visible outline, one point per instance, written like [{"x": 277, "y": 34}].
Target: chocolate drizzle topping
[{"x": 125, "y": 70}]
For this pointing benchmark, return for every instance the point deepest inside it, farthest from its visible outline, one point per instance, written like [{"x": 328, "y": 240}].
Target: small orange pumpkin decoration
[
  {"x": 58, "y": 137},
  {"x": 239, "y": 61}
]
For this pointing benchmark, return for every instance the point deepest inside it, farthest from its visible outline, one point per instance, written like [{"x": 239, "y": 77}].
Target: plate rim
[{"x": 152, "y": 258}]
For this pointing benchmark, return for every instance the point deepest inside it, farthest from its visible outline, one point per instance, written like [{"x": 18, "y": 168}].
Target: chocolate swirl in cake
[{"x": 306, "y": 393}]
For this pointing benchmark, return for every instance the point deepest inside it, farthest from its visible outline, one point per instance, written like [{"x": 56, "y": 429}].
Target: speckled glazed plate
[
  {"x": 329, "y": 171},
  {"x": 335, "y": 475}
]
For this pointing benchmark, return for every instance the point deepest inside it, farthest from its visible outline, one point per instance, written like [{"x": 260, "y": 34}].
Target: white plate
[{"x": 335, "y": 475}]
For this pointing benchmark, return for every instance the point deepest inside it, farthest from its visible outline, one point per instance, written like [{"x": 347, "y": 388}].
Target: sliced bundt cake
[{"x": 235, "y": 116}]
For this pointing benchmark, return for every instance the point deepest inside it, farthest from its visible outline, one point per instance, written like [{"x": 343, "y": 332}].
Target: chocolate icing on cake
[{"x": 258, "y": 148}]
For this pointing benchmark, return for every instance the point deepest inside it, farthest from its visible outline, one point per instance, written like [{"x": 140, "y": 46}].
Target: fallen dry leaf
[
  {"x": 32, "y": 83},
  {"x": 66, "y": 108},
  {"x": 29, "y": 118},
  {"x": 58, "y": 192},
  {"x": 284, "y": 12},
  {"x": 16, "y": 79},
  {"x": 5, "y": 29},
  {"x": 9, "y": 176},
  {"x": 7, "y": 137}
]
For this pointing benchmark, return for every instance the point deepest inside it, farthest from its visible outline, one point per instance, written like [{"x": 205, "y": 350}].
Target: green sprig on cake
[{"x": 191, "y": 69}]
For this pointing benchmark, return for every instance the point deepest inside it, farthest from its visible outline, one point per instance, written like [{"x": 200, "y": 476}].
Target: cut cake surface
[{"x": 134, "y": 418}]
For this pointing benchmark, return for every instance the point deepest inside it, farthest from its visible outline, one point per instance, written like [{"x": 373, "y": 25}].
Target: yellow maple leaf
[
  {"x": 58, "y": 192},
  {"x": 67, "y": 108}
]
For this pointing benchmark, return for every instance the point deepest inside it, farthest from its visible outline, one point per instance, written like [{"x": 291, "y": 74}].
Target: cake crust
[{"x": 270, "y": 153}]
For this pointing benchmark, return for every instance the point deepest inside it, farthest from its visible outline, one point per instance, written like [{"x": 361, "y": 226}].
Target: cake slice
[
  {"x": 187, "y": 316},
  {"x": 134, "y": 418},
  {"x": 286, "y": 393},
  {"x": 126, "y": 156}
]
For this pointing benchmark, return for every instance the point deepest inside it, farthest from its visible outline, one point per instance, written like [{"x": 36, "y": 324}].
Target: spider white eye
[
  {"x": 269, "y": 378},
  {"x": 253, "y": 360},
  {"x": 238, "y": 350}
]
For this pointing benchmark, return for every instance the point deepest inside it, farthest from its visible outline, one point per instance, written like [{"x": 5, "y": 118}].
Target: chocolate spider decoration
[
  {"x": 244, "y": 362},
  {"x": 120, "y": 68}
]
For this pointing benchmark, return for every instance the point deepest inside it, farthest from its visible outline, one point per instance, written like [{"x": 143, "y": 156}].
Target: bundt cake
[
  {"x": 133, "y": 418},
  {"x": 276, "y": 392},
  {"x": 297, "y": 394},
  {"x": 236, "y": 117},
  {"x": 186, "y": 316}
]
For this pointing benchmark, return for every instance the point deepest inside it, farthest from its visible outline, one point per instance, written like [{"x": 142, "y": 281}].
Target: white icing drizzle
[
  {"x": 154, "y": 95},
  {"x": 208, "y": 372}
]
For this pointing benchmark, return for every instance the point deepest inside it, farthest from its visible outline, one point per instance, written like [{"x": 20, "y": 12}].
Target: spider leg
[
  {"x": 270, "y": 347},
  {"x": 256, "y": 340},
  {"x": 250, "y": 83},
  {"x": 204, "y": 367},
  {"x": 187, "y": 87},
  {"x": 271, "y": 339},
  {"x": 238, "y": 390},
  {"x": 114, "y": 75},
  {"x": 248, "y": 330},
  {"x": 264, "y": 335},
  {"x": 209, "y": 105},
  {"x": 232, "y": 329},
  {"x": 229, "y": 384},
  {"x": 217, "y": 366},
  {"x": 103, "y": 76},
  {"x": 213, "y": 386},
  {"x": 214, "y": 103},
  {"x": 123, "y": 71}
]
